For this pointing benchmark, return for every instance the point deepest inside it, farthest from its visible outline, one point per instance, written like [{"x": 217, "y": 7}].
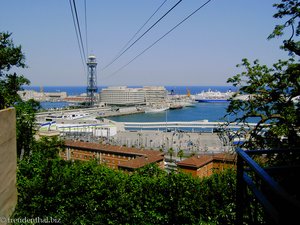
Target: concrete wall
[{"x": 8, "y": 163}]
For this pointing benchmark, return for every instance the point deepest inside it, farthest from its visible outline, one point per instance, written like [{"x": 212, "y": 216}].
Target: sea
[{"x": 201, "y": 111}]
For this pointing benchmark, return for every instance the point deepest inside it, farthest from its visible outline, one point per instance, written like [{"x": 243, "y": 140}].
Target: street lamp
[{"x": 166, "y": 120}]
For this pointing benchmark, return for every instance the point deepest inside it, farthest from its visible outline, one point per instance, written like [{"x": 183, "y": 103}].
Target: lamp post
[{"x": 166, "y": 120}]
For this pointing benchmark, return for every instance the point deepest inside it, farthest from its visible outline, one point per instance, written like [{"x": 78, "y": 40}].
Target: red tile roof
[
  {"x": 111, "y": 148},
  {"x": 198, "y": 161},
  {"x": 140, "y": 161},
  {"x": 143, "y": 156}
]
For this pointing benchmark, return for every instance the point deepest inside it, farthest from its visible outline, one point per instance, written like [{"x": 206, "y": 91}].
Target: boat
[
  {"x": 242, "y": 97},
  {"x": 213, "y": 96},
  {"x": 176, "y": 106},
  {"x": 155, "y": 109}
]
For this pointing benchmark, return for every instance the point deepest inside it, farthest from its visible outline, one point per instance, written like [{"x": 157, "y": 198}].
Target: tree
[
  {"x": 271, "y": 104},
  {"x": 272, "y": 92},
  {"x": 10, "y": 83},
  {"x": 171, "y": 152},
  {"x": 289, "y": 9},
  {"x": 10, "y": 55},
  {"x": 180, "y": 154},
  {"x": 87, "y": 193},
  {"x": 25, "y": 115}
]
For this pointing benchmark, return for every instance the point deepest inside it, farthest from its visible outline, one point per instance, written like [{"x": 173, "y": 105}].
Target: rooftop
[
  {"x": 198, "y": 161},
  {"x": 112, "y": 148},
  {"x": 141, "y": 161},
  {"x": 142, "y": 156}
]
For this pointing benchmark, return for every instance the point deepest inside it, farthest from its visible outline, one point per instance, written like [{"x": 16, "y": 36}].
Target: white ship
[
  {"x": 213, "y": 96},
  {"x": 155, "y": 109}
]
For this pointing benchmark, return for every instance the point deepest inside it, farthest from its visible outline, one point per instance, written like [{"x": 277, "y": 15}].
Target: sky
[{"x": 204, "y": 50}]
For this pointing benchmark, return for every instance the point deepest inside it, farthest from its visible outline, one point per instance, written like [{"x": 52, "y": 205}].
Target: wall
[
  {"x": 208, "y": 169},
  {"x": 8, "y": 163},
  {"x": 220, "y": 165},
  {"x": 109, "y": 159},
  {"x": 214, "y": 167},
  {"x": 192, "y": 171}
]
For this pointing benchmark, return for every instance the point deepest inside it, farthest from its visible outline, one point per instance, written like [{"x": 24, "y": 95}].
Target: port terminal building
[{"x": 125, "y": 96}]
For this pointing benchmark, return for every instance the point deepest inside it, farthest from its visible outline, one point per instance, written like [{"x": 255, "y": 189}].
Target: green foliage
[
  {"x": 180, "y": 154},
  {"x": 48, "y": 147},
  {"x": 272, "y": 92},
  {"x": 171, "y": 152},
  {"x": 25, "y": 115},
  {"x": 151, "y": 170},
  {"x": 289, "y": 9},
  {"x": 88, "y": 193},
  {"x": 10, "y": 84},
  {"x": 12, "y": 56}
]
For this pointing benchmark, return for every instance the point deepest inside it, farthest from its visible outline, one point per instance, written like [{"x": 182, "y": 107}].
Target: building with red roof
[
  {"x": 205, "y": 165},
  {"x": 116, "y": 157}
]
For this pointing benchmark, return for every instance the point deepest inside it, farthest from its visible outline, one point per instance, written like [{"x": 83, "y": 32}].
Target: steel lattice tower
[{"x": 91, "y": 79}]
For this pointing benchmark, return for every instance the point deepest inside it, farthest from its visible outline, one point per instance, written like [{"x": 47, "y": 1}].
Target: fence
[{"x": 268, "y": 195}]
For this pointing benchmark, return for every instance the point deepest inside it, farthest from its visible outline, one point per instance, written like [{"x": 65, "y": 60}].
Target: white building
[
  {"x": 92, "y": 127},
  {"x": 42, "y": 96},
  {"x": 155, "y": 94},
  {"x": 132, "y": 96}
]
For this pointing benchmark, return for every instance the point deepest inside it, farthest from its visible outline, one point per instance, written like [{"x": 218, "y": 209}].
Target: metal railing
[{"x": 260, "y": 197}]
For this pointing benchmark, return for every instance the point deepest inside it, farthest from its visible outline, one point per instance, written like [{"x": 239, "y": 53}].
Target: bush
[{"x": 88, "y": 193}]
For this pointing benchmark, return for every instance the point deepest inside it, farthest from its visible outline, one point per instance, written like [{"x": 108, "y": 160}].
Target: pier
[{"x": 182, "y": 124}]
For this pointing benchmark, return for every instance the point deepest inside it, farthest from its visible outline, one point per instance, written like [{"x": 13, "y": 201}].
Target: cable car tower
[{"x": 91, "y": 79}]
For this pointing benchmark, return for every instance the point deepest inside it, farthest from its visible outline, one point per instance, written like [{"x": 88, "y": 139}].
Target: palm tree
[
  {"x": 180, "y": 154},
  {"x": 171, "y": 152}
]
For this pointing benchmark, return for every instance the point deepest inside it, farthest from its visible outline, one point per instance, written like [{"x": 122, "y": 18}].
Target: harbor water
[
  {"x": 77, "y": 90},
  {"x": 200, "y": 111}
]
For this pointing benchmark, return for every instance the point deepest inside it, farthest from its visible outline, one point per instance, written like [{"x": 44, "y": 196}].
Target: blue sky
[{"x": 202, "y": 51}]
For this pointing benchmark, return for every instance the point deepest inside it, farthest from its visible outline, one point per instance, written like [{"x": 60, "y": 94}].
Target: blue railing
[{"x": 260, "y": 198}]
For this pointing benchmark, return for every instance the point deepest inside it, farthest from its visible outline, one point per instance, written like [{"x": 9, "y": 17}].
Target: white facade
[
  {"x": 96, "y": 129},
  {"x": 42, "y": 96},
  {"x": 132, "y": 96},
  {"x": 155, "y": 94}
]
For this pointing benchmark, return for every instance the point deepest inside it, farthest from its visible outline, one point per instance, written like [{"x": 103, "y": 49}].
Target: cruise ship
[{"x": 213, "y": 96}]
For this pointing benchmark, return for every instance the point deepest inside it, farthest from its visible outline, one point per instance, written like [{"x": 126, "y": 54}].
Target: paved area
[{"x": 159, "y": 140}]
